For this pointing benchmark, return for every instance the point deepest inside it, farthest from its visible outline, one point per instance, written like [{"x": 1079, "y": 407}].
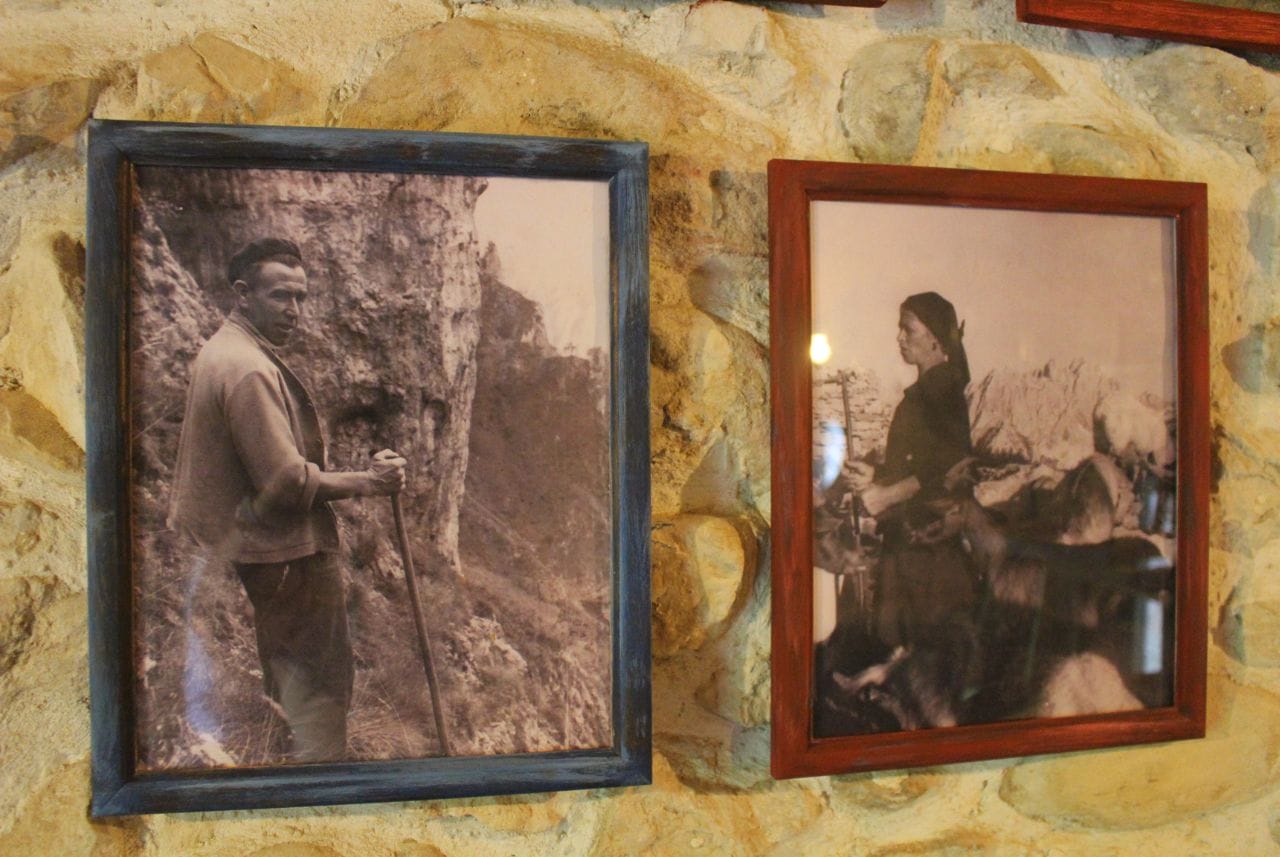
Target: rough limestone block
[
  {"x": 1151, "y": 786},
  {"x": 1253, "y": 361},
  {"x": 738, "y": 688},
  {"x": 992, "y": 71},
  {"x": 680, "y": 212},
  {"x": 880, "y": 791},
  {"x": 669, "y": 820},
  {"x": 1250, "y": 621},
  {"x": 296, "y": 849},
  {"x": 1038, "y": 142},
  {"x": 419, "y": 849},
  {"x": 45, "y": 703},
  {"x": 1238, "y": 294},
  {"x": 1248, "y": 482},
  {"x": 1264, "y": 235},
  {"x": 705, "y": 749},
  {"x": 10, "y": 232},
  {"x": 1088, "y": 150},
  {"x": 44, "y": 116},
  {"x": 1210, "y": 94},
  {"x": 30, "y": 433},
  {"x": 739, "y": 50},
  {"x": 22, "y": 599},
  {"x": 883, "y": 97},
  {"x": 52, "y": 821},
  {"x": 482, "y": 827},
  {"x": 675, "y": 594},
  {"x": 42, "y": 338},
  {"x": 554, "y": 83},
  {"x": 748, "y": 426},
  {"x": 215, "y": 80},
  {"x": 41, "y": 522},
  {"x": 692, "y": 385},
  {"x": 522, "y": 814},
  {"x": 741, "y": 213},
  {"x": 734, "y": 289},
  {"x": 696, "y": 345},
  {"x": 698, "y": 569},
  {"x": 671, "y": 457}
]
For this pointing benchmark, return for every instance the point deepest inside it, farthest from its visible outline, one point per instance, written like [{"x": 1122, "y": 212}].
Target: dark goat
[
  {"x": 863, "y": 687},
  {"x": 1046, "y": 602},
  {"x": 1079, "y": 584}
]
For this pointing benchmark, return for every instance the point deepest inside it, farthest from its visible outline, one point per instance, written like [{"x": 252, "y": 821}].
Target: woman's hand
[
  {"x": 876, "y": 498},
  {"x": 855, "y": 476},
  {"x": 960, "y": 473}
]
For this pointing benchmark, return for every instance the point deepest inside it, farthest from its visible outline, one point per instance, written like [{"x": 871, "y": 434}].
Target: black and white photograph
[
  {"x": 308, "y": 346},
  {"x": 372, "y": 490},
  {"x": 994, "y": 466}
]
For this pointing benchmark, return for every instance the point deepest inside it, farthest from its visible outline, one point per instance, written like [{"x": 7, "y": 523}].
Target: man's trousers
[{"x": 300, "y": 620}]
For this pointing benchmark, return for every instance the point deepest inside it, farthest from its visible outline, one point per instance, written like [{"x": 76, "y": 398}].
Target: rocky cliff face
[
  {"x": 1057, "y": 414},
  {"x": 552, "y": 407},
  {"x": 536, "y": 536},
  {"x": 1035, "y": 426},
  {"x": 388, "y": 343}
]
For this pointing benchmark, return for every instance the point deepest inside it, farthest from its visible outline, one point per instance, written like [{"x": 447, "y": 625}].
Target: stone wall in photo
[{"x": 717, "y": 89}]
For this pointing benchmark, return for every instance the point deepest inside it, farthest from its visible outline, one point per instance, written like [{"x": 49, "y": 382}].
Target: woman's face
[{"x": 916, "y": 344}]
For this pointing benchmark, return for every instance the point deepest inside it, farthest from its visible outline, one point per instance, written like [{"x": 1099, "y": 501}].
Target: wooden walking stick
[
  {"x": 423, "y": 645},
  {"x": 861, "y": 565}
]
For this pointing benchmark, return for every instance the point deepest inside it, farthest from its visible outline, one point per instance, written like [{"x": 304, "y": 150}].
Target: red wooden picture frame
[
  {"x": 793, "y": 188},
  {"x": 1174, "y": 20}
]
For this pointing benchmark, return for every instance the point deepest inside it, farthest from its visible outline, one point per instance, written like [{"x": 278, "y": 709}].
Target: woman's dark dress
[
  {"x": 923, "y": 591},
  {"x": 924, "y": 594}
]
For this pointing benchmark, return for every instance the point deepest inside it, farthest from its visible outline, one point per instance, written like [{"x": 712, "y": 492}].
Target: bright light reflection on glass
[
  {"x": 833, "y": 446},
  {"x": 819, "y": 349},
  {"x": 1153, "y": 636}
]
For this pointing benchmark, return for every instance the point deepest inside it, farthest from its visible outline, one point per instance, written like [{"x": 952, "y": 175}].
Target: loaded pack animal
[
  {"x": 1045, "y": 602},
  {"x": 1097, "y": 610}
]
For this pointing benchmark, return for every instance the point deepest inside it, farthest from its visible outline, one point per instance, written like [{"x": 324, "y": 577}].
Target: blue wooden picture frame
[{"x": 116, "y": 148}]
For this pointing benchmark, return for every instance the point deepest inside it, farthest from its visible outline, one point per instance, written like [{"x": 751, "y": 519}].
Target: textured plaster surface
[{"x": 716, "y": 88}]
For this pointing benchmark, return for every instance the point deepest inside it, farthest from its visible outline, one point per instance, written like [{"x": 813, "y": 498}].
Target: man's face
[{"x": 272, "y": 299}]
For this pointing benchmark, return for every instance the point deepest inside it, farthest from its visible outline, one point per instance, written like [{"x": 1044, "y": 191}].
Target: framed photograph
[
  {"x": 990, "y": 464},
  {"x": 1244, "y": 25},
  {"x": 368, "y": 465}
]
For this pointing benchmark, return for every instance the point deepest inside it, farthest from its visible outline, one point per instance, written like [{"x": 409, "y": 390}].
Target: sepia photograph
[
  {"x": 994, "y": 469},
  {"x": 993, "y": 487},
  {"x": 371, "y": 474}
]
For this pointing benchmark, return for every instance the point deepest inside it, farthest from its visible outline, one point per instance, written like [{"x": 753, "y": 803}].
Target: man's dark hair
[{"x": 263, "y": 250}]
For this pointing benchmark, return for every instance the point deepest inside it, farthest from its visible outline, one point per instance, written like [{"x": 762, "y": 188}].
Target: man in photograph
[{"x": 250, "y": 488}]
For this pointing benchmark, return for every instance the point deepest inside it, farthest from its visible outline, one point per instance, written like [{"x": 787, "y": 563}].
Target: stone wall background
[{"x": 717, "y": 88}]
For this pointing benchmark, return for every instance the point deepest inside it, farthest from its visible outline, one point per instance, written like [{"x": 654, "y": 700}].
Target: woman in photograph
[
  {"x": 925, "y": 595},
  {"x": 919, "y": 587}
]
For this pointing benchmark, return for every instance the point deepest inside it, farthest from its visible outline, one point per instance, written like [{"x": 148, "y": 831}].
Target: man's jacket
[{"x": 249, "y": 456}]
